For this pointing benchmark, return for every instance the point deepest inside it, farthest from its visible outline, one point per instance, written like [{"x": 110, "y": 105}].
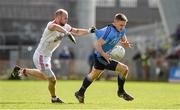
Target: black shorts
[{"x": 101, "y": 64}]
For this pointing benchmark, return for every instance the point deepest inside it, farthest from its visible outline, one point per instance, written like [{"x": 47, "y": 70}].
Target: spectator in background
[
  {"x": 67, "y": 59},
  {"x": 146, "y": 63},
  {"x": 138, "y": 64},
  {"x": 64, "y": 54},
  {"x": 91, "y": 59},
  {"x": 72, "y": 63},
  {"x": 176, "y": 36},
  {"x": 64, "y": 57},
  {"x": 159, "y": 66}
]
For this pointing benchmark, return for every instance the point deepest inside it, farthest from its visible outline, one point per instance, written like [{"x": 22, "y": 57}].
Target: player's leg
[
  {"x": 122, "y": 75},
  {"x": 98, "y": 68},
  {"x": 48, "y": 73},
  {"x": 94, "y": 74},
  {"x": 89, "y": 79},
  {"x": 18, "y": 71},
  {"x": 34, "y": 72},
  {"x": 52, "y": 80},
  {"x": 123, "y": 72},
  {"x": 122, "y": 69},
  {"x": 52, "y": 86},
  {"x": 44, "y": 64}
]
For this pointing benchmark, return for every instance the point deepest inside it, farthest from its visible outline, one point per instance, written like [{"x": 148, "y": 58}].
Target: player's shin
[
  {"x": 121, "y": 80},
  {"x": 52, "y": 87},
  {"x": 86, "y": 83}
]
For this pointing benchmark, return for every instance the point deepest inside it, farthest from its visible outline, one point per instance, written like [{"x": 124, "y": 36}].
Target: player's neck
[{"x": 114, "y": 25}]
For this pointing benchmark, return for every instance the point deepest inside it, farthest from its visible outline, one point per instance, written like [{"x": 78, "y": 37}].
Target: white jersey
[{"x": 50, "y": 40}]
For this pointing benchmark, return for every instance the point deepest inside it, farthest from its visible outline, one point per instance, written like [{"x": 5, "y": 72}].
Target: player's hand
[
  {"x": 92, "y": 29},
  {"x": 71, "y": 37},
  {"x": 107, "y": 57},
  {"x": 127, "y": 44}
]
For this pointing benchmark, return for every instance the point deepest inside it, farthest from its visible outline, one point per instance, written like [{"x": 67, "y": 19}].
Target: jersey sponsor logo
[{"x": 112, "y": 42}]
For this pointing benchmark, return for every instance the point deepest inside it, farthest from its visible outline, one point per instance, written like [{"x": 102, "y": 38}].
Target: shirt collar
[{"x": 114, "y": 27}]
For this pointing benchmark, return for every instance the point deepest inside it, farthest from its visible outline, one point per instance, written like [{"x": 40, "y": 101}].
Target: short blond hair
[
  {"x": 121, "y": 17},
  {"x": 60, "y": 12}
]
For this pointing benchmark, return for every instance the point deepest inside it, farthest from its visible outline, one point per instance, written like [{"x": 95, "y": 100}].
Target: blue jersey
[{"x": 111, "y": 36}]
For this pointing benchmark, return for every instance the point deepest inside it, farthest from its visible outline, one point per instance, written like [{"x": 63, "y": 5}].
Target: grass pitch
[{"x": 100, "y": 95}]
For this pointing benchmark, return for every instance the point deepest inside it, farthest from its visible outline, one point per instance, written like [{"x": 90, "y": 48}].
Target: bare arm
[
  {"x": 56, "y": 27},
  {"x": 79, "y": 32},
  {"x": 98, "y": 47}
]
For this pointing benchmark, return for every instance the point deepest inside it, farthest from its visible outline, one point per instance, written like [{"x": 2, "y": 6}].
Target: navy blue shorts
[{"x": 101, "y": 64}]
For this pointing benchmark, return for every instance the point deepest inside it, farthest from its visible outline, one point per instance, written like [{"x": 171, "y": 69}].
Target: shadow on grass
[
  {"x": 22, "y": 102},
  {"x": 70, "y": 103}
]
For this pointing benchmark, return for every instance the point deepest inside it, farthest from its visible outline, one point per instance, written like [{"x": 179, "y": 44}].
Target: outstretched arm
[{"x": 79, "y": 31}]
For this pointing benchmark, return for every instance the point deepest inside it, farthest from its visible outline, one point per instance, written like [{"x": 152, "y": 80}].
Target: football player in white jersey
[{"x": 51, "y": 39}]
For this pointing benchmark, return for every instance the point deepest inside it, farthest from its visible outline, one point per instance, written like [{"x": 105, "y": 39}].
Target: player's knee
[
  {"x": 52, "y": 80},
  {"x": 122, "y": 68},
  {"x": 93, "y": 76},
  {"x": 125, "y": 71}
]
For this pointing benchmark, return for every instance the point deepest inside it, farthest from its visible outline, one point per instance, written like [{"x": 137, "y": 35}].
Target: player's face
[
  {"x": 63, "y": 19},
  {"x": 120, "y": 25}
]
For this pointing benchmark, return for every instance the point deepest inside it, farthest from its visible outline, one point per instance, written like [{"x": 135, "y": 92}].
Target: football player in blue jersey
[{"x": 107, "y": 38}]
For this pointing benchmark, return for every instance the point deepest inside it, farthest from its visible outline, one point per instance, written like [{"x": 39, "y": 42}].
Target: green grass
[{"x": 100, "y": 95}]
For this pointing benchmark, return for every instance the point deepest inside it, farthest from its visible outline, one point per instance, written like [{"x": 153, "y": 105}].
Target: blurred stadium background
[{"x": 154, "y": 26}]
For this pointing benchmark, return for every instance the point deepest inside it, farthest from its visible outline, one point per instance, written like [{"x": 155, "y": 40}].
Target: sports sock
[
  {"x": 121, "y": 82},
  {"x": 86, "y": 83},
  {"x": 54, "y": 97},
  {"x": 24, "y": 72}
]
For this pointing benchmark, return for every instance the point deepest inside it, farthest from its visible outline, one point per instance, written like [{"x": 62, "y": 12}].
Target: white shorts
[{"x": 43, "y": 63}]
